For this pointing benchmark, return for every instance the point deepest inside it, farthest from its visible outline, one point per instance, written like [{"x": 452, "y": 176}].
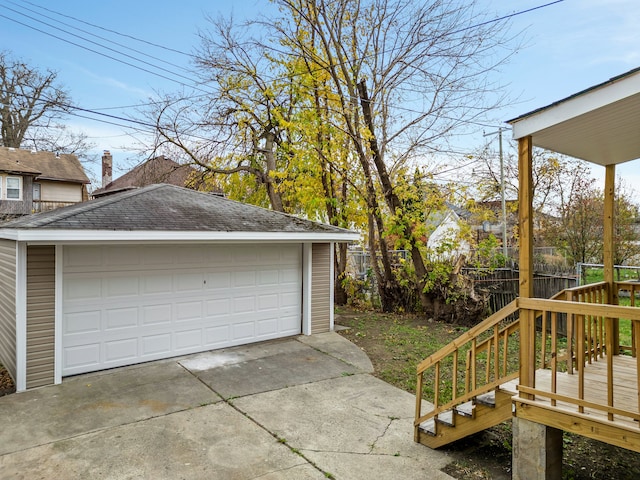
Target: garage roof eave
[{"x": 52, "y": 236}]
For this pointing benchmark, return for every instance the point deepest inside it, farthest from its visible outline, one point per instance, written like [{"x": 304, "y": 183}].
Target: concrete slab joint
[{"x": 288, "y": 409}]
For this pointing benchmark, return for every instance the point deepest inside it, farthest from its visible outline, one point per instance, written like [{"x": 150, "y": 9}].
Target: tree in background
[
  {"x": 326, "y": 111},
  {"x": 32, "y": 105},
  {"x": 578, "y": 227},
  {"x": 28, "y": 99}
]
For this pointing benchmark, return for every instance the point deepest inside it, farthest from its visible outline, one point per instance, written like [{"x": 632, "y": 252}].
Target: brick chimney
[{"x": 107, "y": 168}]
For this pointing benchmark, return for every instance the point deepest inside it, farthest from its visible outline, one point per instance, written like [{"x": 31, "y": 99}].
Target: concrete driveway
[{"x": 299, "y": 408}]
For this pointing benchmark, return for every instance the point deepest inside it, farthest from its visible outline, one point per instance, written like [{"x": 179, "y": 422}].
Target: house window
[{"x": 13, "y": 188}]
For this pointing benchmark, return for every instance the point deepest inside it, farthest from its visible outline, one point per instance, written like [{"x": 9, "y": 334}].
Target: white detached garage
[{"x": 154, "y": 273}]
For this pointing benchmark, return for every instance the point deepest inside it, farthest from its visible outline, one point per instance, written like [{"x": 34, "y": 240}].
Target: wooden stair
[{"x": 465, "y": 419}]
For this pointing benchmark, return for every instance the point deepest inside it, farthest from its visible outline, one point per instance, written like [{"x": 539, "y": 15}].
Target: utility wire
[
  {"x": 101, "y": 46},
  {"x": 96, "y": 112},
  {"x": 94, "y": 35},
  {"x": 137, "y": 39},
  {"x": 284, "y": 77},
  {"x": 109, "y": 56}
]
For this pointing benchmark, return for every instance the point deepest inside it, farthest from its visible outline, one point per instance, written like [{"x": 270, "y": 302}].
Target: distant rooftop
[
  {"x": 43, "y": 165},
  {"x": 155, "y": 170}
]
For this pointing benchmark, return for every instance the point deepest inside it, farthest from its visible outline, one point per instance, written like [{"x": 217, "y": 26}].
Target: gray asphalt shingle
[{"x": 164, "y": 207}]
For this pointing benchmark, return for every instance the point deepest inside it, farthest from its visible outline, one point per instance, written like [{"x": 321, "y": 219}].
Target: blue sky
[{"x": 569, "y": 46}]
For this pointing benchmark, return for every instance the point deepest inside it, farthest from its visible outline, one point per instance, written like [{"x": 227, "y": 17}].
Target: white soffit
[
  {"x": 46, "y": 236},
  {"x": 600, "y": 125}
]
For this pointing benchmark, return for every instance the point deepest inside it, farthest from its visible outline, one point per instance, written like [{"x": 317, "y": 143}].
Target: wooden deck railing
[
  {"x": 587, "y": 336},
  {"x": 629, "y": 290},
  {"x": 485, "y": 350},
  {"x": 591, "y": 341}
]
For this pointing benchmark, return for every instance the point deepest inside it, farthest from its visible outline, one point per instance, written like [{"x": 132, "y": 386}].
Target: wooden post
[
  {"x": 525, "y": 235},
  {"x": 608, "y": 253}
]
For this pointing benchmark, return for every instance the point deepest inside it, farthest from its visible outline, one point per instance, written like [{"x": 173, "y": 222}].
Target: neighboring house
[
  {"x": 444, "y": 232},
  {"x": 494, "y": 226},
  {"x": 33, "y": 181},
  {"x": 155, "y": 170},
  {"x": 154, "y": 273}
]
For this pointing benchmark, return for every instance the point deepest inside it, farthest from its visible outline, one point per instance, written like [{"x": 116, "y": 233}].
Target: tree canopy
[{"x": 328, "y": 109}]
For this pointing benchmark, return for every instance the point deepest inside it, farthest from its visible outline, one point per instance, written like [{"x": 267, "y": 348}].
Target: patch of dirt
[
  {"x": 396, "y": 343},
  {"x": 6, "y": 382}
]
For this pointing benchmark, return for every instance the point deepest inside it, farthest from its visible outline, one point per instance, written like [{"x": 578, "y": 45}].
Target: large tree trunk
[
  {"x": 270, "y": 158},
  {"x": 392, "y": 198}
]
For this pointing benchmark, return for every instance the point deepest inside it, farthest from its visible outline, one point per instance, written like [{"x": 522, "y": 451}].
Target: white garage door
[{"x": 131, "y": 304}]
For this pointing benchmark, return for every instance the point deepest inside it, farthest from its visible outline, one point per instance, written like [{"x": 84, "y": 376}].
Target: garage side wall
[
  {"x": 8, "y": 305},
  {"x": 321, "y": 288},
  {"x": 40, "y": 315}
]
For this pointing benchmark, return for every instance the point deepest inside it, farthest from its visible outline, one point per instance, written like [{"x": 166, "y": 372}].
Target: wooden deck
[{"x": 617, "y": 424}]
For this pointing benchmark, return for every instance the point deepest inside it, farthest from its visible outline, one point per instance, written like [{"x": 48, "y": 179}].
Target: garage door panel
[
  {"x": 156, "y": 284},
  {"x": 218, "y": 280},
  {"x": 156, "y": 344},
  {"x": 151, "y": 256},
  {"x": 268, "y": 302},
  {"x": 188, "y": 339},
  {"x": 171, "y": 301},
  {"x": 121, "y": 286},
  {"x": 243, "y": 331},
  {"x": 118, "y": 318},
  {"x": 82, "y": 357},
  {"x": 267, "y": 326},
  {"x": 121, "y": 256},
  {"x": 189, "y": 282},
  {"x": 218, "y": 307},
  {"x": 244, "y": 305},
  {"x": 119, "y": 350},
  {"x": 217, "y": 335},
  {"x": 189, "y": 255},
  {"x": 83, "y": 256},
  {"x": 82, "y": 322},
  {"x": 82, "y": 289},
  {"x": 156, "y": 314},
  {"x": 244, "y": 279},
  {"x": 186, "y": 311},
  {"x": 288, "y": 276}
]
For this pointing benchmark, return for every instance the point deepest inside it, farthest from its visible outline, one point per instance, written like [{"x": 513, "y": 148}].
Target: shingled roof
[
  {"x": 169, "y": 208},
  {"x": 44, "y": 165},
  {"x": 155, "y": 170}
]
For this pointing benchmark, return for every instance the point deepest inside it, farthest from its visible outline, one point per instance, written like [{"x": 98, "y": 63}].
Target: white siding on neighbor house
[
  {"x": 448, "y": 231},
  {"x": 8, "y": 305},
  {"x": 52, "y": 191}
]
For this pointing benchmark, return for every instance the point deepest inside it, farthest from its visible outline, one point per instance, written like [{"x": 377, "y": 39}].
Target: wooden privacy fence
[{"x": 502, "y": 285}]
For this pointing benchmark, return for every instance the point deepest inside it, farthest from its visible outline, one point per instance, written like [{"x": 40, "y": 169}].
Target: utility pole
[{"x": 505, "y": 250}]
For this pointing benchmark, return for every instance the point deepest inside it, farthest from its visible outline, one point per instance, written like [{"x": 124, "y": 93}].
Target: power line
[
  {"x": 289, "y": 76},
  {"x": 194, "y": 86},
  {"x": 110, "y": 30},
  {"x": 96, "y": 112},
  {"x": 92, "y": 34},
  {"x": 99, "y": 45}
]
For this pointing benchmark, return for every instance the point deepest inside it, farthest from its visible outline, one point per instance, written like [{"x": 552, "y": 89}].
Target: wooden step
[
  {"x": 428, "y": 427},
  {"x": 488, "y": 399},
  {"x": 485, "y": 411},
  {"x": 446, "y": 418},
  {"x": 466, "y": 409}
]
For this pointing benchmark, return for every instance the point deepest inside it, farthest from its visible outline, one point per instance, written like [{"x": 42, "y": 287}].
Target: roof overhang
[
  {"x": 600, "y": 124},
  {"x": 50, "y": 236}
]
